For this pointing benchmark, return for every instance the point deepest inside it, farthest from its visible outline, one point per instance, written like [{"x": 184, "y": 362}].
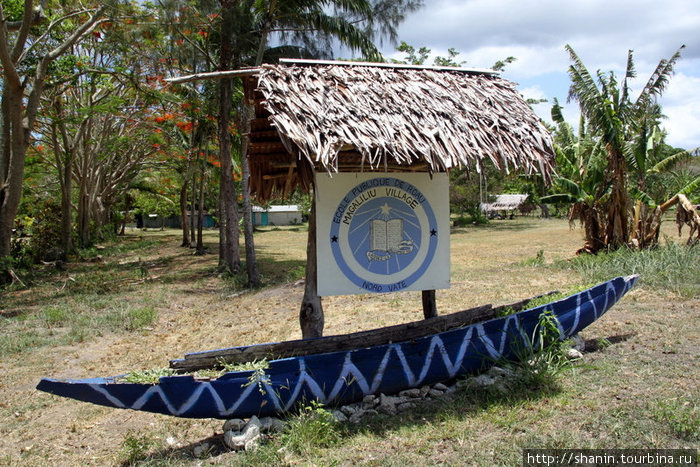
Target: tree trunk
[
  {"x": 590, "y": 219},
  {"x": 18, "y": 113},
  {"x": 66, "y": 215},
  {"x": 248, "y": 112},
  {"x": 690, "y": 216},
  {"x": 311, "y": 313},
  {"x": 87, "y": 182},
  {"x": 231, "y": 250},
  {"x": 193, "y": 182},
  {"x": 637, "y": 221},
  {"x": 267, "y": 25},
  {"x": 84, "y": 214},
  {"x": 222, "y": 229},
  {"x": 125, "y": 218},
  {"x": 11, "y": 162},
  {"x": 687, "y": 214},
  {"x": 7, "y": 217},
  {"x": 64, "y": 165},
  {"x": 200, "y": 214},
  {"x": 5, "y": 157},
  {"x": 183, "y": 215},
  {"x": 250, "y": 260},
  {"x": 617, "y": 230}
]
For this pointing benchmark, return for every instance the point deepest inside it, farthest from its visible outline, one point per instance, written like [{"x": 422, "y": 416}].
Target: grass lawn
[{"x": 145, "y": 300}]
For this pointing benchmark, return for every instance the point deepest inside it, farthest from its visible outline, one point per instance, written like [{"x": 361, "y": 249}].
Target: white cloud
[
  {"x": 600, "y": 31},
  {"x": 533, "y": 92},
  {"x": 681, "y": 104}
]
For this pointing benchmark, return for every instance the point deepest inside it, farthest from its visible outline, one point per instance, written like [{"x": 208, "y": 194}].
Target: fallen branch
[
  {"x": 687, "y": 215},
  {"x": 212, "y": 75},
  {"x": 66, "y": 283},
  {"x": 15, "y": 277}
]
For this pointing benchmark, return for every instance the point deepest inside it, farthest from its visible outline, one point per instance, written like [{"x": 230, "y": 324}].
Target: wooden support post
[
  {"x": 311, "y": 313},
  {"x": 429, "y": 305}
]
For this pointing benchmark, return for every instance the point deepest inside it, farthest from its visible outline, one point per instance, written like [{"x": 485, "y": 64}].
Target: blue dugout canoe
[{"x": 346, "y": 376}]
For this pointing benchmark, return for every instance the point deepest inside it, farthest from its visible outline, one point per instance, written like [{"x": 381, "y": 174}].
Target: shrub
[
  {"x": 46, "y": 233},
  {"x": 135, "y": 446},
  {"x": 314, "y": 427},
  {"x": 539, "y": 358},
  {"x": 138, "y": 318}
]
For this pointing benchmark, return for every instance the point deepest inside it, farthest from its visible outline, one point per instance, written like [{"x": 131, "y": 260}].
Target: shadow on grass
[
  {"x": 112, "y": 277},
  {"x": 114, "y": 274},
  {"x": 427, "y": 411},
  {"x": 462, "y": 404},
  {"x": 594, "y": 345},
  {"x": 13, "y": 313},
  {"x": 174, "y": 455},
  {"x": 277, "y": 271},
  {"x": 97, "y": 271},
  {"x": 495, "y": 225},
  {"x": 296, "y": 228}
]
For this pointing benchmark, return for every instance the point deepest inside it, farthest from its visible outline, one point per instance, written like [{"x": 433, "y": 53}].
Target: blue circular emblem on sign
[{"x": 384, "y": 234}]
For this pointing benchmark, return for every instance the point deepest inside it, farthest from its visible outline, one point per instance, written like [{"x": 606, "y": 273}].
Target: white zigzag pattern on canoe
[{"x": 350, "y": 373}]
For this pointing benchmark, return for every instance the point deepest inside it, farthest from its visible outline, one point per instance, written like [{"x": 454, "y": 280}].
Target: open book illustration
[{"x": 386, "y": 238}]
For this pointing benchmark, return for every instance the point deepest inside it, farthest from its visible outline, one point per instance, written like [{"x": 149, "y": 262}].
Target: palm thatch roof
[
  {"x": 508, "y": 202},
  {"x": 347, "y": 116}
]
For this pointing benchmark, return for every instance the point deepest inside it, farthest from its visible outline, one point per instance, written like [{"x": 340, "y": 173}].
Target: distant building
[
  {"x": 277, "y": 215},
  {"x": 154, "y": 221},
  {"x": 504, "y": 204}
]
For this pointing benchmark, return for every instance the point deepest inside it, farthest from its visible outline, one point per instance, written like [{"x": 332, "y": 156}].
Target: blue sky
[{"x": 600, "y": 31}]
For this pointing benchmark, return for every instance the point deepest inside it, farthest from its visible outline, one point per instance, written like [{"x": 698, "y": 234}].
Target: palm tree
[
  {"x": 308, "y": 25},
  {"x": 306, "y": 28},
  {"x": 580, "y": 178},
  {"x": 312, "y": 26},
  {"x": 623, "y": 126}
]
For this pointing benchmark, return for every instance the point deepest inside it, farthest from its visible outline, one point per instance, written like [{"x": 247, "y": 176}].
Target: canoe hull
[{"x": 347, "y": 376}]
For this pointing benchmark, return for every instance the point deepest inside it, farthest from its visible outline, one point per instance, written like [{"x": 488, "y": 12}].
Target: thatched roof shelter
[
  {"x": 348, "y": 116},
  {"x": 508, "y": 202}
]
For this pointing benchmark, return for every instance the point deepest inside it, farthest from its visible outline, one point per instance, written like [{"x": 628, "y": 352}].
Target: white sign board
[{"x": 382, "y": 232}]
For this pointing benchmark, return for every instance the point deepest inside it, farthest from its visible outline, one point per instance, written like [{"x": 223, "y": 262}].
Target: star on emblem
[
  {"x": 385, "y": 209},
  {"x": 433, "y": 232},
  {"x": 334, "y": 239}
]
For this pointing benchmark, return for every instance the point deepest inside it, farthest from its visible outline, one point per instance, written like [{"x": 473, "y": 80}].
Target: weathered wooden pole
[
  {"x": 429, "y": 305},
  {"x": 311, "y": 313}
]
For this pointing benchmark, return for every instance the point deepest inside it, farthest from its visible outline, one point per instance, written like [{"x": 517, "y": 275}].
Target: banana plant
[
  {"x": 580, "y": 178},
  {"x": 629, "y": 131}
]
